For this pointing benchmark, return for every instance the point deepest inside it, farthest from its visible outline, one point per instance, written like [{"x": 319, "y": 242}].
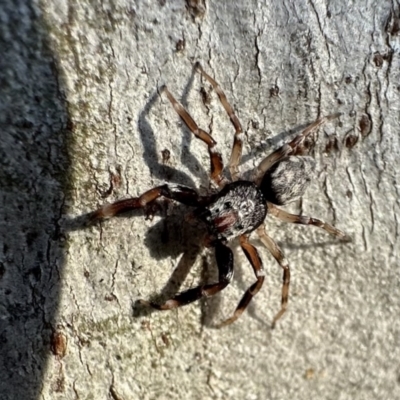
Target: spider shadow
[
  {"x": 169, "y": 237},
  {"x": 187, "y": 158},
  {"x": 151, "y": 155}
]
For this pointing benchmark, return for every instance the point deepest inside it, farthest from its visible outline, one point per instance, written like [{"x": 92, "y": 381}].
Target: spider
[{"x": 239, "y": 207}]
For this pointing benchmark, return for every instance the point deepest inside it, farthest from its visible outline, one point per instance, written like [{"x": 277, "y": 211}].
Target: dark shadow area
[
  {"x": 187, "y": 158},
  {"x": 34, "y": 166},
  {"x": 151, "y": 154},
  {"x": 174, "y": 237},
  {"x": 171, "y": 236}
]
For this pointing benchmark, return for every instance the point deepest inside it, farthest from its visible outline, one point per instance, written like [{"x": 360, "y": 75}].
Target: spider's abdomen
[
  {"x": 287, "y": 180},
  {"x": 238, "y": 208}
]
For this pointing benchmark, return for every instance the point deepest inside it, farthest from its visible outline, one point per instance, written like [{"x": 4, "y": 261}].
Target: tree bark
[{"x": 83, "y": 124}]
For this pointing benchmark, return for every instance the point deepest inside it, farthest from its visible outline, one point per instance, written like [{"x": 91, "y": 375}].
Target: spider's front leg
[
  {"x": 255, "y": 261},
  {"x": 224, "y": 257},
  {"x": 215, "y": 157},
  {"x": 238, "y": 141},
  {"x": 179, "y": 193},
  {"x": 293, "y": 148}
]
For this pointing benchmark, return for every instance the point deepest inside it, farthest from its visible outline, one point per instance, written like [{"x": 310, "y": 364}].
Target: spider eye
[{"x": 227, "y": 205}]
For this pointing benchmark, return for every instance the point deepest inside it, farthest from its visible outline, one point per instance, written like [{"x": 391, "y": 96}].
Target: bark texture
[{"x": 82, "y": 123}]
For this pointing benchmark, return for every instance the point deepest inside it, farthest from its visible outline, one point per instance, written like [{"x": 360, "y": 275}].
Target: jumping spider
[{"x": 239, "y": 207}]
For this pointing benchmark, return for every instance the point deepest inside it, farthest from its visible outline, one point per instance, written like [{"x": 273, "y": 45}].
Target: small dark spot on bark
[
  {"x": 58, "y": 344},
  {"x": 365, "y": 125},
  {"x": 274, "y": 91},
  {"x": 205, "y": 96},
  {"x": 378, "y": 60},
  {"x": 166, "y": 156},
  {"x": 162, "y": 2},
  {"x": 165, "y": 339},
  {"x": 180, "y": 45},
  {"x": 59, "y": 386},
  {"x": 2, "y": 270},
  {"x": 349, "y": 194},
  {"x": 196, "y": 8},
  {"x": 348, "y": 79},
  {"x": 351, "y": 139},
  {"x": 86, "y": 274},
  {"x": 393, "y": 24},
  {"x": 332, "y": 144},
  {"x": 328, "y": 14},
  {"x": 388, "y": 56},
  {"x": 255, "y": 124}
]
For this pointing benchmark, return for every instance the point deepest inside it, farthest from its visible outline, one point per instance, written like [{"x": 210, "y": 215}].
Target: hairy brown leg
[
  {"x": 215, "y": 156},
  {"x": 224, "y": 257},
  {"x": 275, "y": 250},
  {"x": 295, "y": 147},
  {"x": 255, "y": 261},
  {"x": 304, "y": 220},
  {"x": 238, "y": 141},
  {"x": 179, "y": 193}
]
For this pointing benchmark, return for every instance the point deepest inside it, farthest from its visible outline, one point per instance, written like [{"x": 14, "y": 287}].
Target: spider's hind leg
[
  {"x": 224, "y": 257},
  {"x": 304, "y": 220},
  {"x": 277, "y": 253}
]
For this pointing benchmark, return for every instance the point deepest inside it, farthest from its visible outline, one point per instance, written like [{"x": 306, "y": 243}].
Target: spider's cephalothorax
[{"x": 240, "y": 206}]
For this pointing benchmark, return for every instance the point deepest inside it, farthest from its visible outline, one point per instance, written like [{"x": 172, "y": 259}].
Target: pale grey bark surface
[{"x": 82, "y": 123}]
